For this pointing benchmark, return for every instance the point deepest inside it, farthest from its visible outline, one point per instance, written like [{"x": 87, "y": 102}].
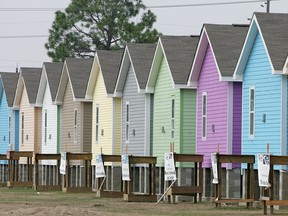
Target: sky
[{"x": 29, "y": 51}]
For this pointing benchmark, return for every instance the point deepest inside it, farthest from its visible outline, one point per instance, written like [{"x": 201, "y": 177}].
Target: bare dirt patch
[{"x": 24, "y": 201}]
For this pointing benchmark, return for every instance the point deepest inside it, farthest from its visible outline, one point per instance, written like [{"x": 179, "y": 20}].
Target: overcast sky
[{"x": 30, "y": 51}]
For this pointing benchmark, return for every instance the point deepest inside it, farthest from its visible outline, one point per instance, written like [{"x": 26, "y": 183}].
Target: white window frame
[
  {"x": 75, "y": 125},
  {"x": 97, "y": 123},
  {"x": 127, "y": 121},
  {"x": 251, "y": 113},
  {"x": 204, "y": 116},
  {"x": 45, "y": 126},
  {"x": 22, "y": 128},
  {"x": 9, "y": 129},
  {"x": 173, "y": 118}
]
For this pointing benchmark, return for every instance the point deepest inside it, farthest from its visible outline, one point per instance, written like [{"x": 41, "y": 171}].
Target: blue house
[
  {"x": 9, "y": 117},
  {"x": 264, "y": 88}
]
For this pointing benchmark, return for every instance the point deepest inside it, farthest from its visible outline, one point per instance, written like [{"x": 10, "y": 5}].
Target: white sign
[
  {"x": 263, "y": 169},
  {"x": 99, "y": 168},
  {"x": 214, "y": 168},
  {"x": 63, "y": 163},
  {"x": 125, "y": 168},
  {"x": 170, "y": 173}
]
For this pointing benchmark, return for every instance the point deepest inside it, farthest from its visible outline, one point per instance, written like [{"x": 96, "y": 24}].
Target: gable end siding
[
  {"x": 258, "y": 73},
  {"x": 136, "y": 145},
  {"x": 216, "y": 111}
]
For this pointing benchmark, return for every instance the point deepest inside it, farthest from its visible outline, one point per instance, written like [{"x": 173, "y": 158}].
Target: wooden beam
[
  {"x": 236, "y": 159},
  {"x": 188, "y": 158}
]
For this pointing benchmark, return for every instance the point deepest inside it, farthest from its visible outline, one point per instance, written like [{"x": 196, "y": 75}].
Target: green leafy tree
[{"x": 103, "y": 24}]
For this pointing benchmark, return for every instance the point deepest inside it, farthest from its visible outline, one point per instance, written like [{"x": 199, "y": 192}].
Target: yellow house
[{"x": 106, "y": 114}]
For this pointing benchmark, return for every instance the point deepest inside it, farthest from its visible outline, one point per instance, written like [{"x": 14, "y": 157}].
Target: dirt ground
[{"x": 24, "y": 201}]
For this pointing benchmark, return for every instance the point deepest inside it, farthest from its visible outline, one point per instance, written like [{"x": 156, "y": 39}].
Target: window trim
[
  {"x": 22, "y": 128},
  {"x": 97, "y": 124},
  {"x": 75, "y": 125},
  {"x": 172, "y": 118},
  {"x": 45, "y": 126},
  {"x": 204, "y": 116},
  {"x": 127, "y": 121},
  {"x": 251, "y": 135},
  {"x": 9, "y": 129}
]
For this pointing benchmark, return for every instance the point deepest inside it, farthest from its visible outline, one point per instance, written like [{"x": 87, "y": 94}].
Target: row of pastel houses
[{"x": 225, "y": 90}]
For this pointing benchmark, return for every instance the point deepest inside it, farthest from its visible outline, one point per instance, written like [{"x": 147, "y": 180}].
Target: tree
[{"x": 103, "y": 24}]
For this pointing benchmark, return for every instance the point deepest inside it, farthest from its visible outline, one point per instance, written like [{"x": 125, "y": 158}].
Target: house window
[
  {"x": 172, "y": 118},
  {"x": 22, "y": 128},
  {"x": 251, "y": 111},
  {"x": 9, "y": 129},
  {"x": 127, "y": 122},
  {"x": 97, "y": 123},
  {"x": 45, "y": 127},
  {"x": 204, "y": 115},
  {"x": 75, "y": 126}
]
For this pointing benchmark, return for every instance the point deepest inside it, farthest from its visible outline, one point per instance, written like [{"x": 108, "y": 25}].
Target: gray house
[{"x": 136, "y": 104}]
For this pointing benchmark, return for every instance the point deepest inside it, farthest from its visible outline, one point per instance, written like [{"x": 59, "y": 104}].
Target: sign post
[
  {"x": 63, "y": 163},
  {"x": 169, "y": 171},
  {"x": 263, "y": 169}
]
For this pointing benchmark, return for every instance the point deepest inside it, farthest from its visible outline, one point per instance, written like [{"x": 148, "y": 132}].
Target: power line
[
  {"x": 151, "y": 7},
  {"x": 208, "y": 4},
  {"x": 24, "y": 36},
  {"x": 30, "y": 9}
]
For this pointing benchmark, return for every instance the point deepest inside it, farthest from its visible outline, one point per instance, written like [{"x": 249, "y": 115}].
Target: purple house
[{"x": 218, "y": 95}]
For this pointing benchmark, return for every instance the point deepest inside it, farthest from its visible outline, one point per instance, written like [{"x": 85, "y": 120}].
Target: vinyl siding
[
  {"x": 258, "y": 73},
  {"x": 4, "y": 114},
  {"x": 50, "y": 147},
  {"x": 136, "y": 145},
  {"x": 117, "y": 125},
  {"x": 105, "y": 105},
  {"x": 188, "y": 121},
  {"x": 15, "y": 129},
  {"x": 87, "y": 125},
  {"x": 37, "y": 129},
  {"x": 217, "y": 110},
  {"x": 237, "y": 117},
  {"x": 163, "y": 95},
  {"x": 28, "y": 144},
  {"x": 68, "y": 108}
]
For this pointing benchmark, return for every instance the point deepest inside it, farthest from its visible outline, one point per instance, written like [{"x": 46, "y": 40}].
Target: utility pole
[{"x": 268, "y": 6}]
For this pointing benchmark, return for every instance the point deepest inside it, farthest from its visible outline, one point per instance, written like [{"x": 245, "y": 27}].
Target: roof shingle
[
  {"x": 31, "y": 78},
  {"x": 9, "y": 81},
  {"x": 180, "y": 51},
  {"x": 142, "y": 57},
  {"x": 110, "y": 64},
  {"x": 274, "y": 28},
  {"x": 79, "y": 71},
  {"x": 53, "y": 71},
  {"x": 227, "y": 42}
]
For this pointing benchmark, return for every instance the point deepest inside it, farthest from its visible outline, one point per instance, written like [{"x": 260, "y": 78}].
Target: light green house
[{"x": 174, "y": 108}]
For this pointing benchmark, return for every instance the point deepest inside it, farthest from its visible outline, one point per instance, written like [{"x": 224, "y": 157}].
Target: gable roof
[
  {"x": 140, "y": 57},
  {"x": 9, "y": 81},
  {"x": 109, "y": 63},
  {"x": 273, "y": 28},
  {"x": 79, "y": 71},
  {"x": 53, "y": 72},
  {"x": 31, "y": 78},
  {"x": 226, "y": 43},
  {"x": 179, "y": 52}
]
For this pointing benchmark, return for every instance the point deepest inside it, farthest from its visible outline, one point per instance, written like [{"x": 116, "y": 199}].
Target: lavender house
[{"x": 218, "y": 95}]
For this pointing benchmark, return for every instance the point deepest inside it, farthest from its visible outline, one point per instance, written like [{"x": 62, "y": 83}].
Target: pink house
[{"x": 218, "y": 95}]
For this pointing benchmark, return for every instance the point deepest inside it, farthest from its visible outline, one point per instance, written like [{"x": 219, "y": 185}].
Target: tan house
[
  {"x": 75, "y": 111},
  {"x": 29, "y": 113}
]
